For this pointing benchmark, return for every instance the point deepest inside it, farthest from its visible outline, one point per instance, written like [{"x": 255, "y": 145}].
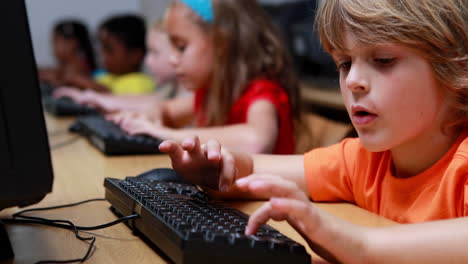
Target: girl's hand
[
  {"x": 86, "y": 97},
  {"x": 99, "y": 101},
  {"x": 118, "y": 117},
  {"x": 208, "y": 164},
  {"x": 139, "y": 124},
  {"x": 71, "y": 92}
]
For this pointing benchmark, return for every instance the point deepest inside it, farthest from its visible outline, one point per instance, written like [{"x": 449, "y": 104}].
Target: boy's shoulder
[{"x": 462, "y": 149}]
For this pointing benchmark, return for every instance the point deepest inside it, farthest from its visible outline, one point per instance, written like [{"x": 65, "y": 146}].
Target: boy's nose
[{"x": 356, "y": 80}]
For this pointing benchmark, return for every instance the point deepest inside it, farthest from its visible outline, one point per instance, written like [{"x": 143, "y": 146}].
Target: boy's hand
[
  {"x": 209, "y": 164},
  {"x": 288, "y": 203}
]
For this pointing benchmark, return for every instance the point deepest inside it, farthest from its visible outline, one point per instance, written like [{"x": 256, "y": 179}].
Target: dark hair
[
  {"x": 74, "y": 29},
  {"x": 129, "y": 29}
]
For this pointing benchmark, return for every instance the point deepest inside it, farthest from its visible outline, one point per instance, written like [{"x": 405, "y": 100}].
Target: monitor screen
[{"x": 25, "y": 164}]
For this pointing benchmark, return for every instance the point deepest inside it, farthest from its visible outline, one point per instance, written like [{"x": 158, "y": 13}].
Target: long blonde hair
[
  {"x": 247, "y": 47},
  {"x": 437, "y": 29}
]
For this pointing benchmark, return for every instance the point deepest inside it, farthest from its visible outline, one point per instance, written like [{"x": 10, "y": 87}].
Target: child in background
[
  {"x": 157, "y": 62},
  {"x": 246, "y": 94},
  {"x": 122, "y": 46},
  {"x": 405, "y": 88},
  {"x": 73, "y": 52}
]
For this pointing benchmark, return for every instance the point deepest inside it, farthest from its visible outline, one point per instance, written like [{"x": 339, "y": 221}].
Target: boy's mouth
[
  {"x": 362, "y": 116},
  {"x": 362, "y": 113}
]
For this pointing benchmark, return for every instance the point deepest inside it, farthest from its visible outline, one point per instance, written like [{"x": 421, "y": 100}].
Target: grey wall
[
  {"x": 153, "y": 9},
  {"x": 43, "y": 14}
]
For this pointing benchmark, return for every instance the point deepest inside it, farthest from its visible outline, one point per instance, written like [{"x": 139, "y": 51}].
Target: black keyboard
[
  {"x": 47, "y": 89},
  {"x": 65, "y": 106},
  {"x": 111, "y": 139},
  {"x": 189, "y": 227}
]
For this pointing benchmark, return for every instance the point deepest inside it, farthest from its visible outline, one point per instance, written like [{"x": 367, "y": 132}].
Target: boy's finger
[
  {"x": 174, "y": 150},
  {"x": 228, "y": 171},
  {"x": 258, "y": 218},
  {"x": 197, "y": 145},
  {"x": 271, "y": 186},
  {"x": 213, "y": 150},
  {"x": 296, "y": 212},
  {"x": 300, "y": 215},
  {"x": 189, "y": 143}
]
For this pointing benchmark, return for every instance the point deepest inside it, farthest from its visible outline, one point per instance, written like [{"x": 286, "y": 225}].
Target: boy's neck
[{"x": 422, "y": 153}]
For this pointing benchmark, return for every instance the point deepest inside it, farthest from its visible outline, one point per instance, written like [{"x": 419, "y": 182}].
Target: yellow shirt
[{"x": 130, "y": 83}]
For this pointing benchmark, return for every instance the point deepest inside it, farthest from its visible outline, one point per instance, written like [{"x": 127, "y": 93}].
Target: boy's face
[
  {"x": 193, "y": 56},
  {"x": 158, "y": 57},
  {"x": 390, "y": 93},
  {"x": 116, "y": 58}
]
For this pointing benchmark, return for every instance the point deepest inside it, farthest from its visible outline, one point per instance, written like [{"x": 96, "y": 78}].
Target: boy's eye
[
  {"x": 384, "y": 61},
  {"x": 346, "y": 65}
]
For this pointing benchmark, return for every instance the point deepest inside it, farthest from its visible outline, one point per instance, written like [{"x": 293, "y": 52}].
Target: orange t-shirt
[{"x": 348, "y": 172}]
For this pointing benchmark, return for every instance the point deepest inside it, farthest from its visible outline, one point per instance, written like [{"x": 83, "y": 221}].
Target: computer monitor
[
  {"x": 295, "y": 21},
  {"x": 25, "y": 164}
]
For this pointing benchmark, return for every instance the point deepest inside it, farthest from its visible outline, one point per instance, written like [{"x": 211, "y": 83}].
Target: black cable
[
  {"x": 45, "y": 221},
  {"x": 56, "y": 223},
  {"x": 70, "y": 226},
  {"x": 65, "y": 224},
  {"x": 59, "y": 206}
]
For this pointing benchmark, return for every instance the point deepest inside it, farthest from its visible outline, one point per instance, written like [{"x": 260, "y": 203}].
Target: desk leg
[{"x": 6, "y": 251}]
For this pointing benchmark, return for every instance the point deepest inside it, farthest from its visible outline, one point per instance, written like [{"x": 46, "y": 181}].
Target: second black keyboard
[
  {"x": 65, "y": 106},
  {"x": 189, "y": 227},
  {"x": 111, "y": 139}
]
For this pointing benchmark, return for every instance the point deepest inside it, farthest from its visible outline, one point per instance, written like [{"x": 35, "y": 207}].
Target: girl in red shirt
[{"x": 246, "y": 94}]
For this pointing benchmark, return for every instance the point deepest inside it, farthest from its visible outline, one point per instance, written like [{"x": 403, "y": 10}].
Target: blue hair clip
[{"x": 203, "y": 8}]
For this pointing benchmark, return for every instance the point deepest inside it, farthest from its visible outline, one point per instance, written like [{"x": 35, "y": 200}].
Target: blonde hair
[
  {"x": 247, "y": 47},
  {"x": 437, "y": 29}
]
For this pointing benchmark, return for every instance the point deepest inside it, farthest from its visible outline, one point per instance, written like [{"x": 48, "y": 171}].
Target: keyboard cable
[{"x": 20, "y": 218}]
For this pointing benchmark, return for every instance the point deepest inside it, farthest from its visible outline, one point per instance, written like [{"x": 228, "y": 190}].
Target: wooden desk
[{"x": 79, "y": 175}]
